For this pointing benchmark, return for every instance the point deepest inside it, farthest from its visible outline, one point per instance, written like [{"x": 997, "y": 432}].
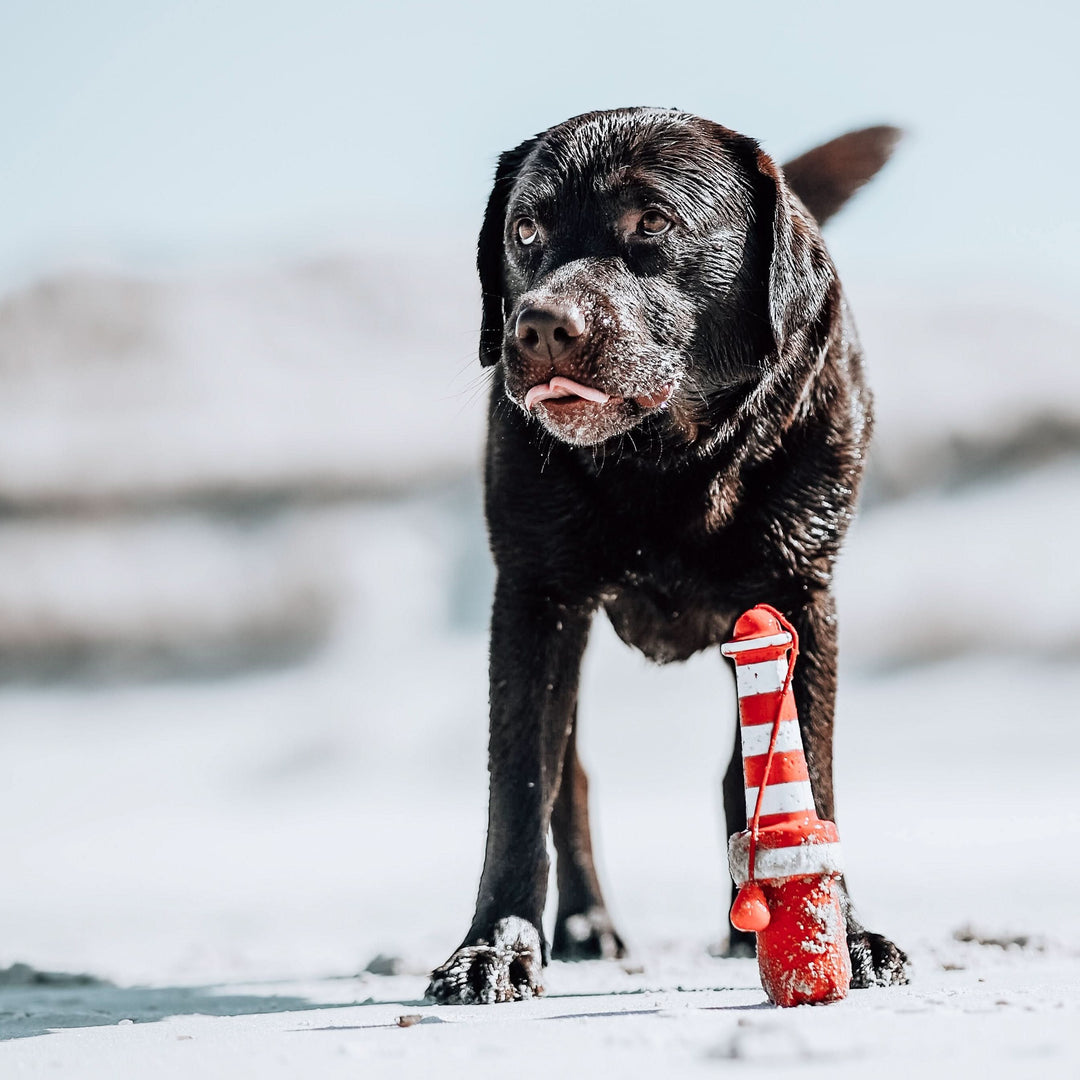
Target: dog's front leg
[
  {"x": 536, "y": 648},
  {"x": 875, "y": 960}
]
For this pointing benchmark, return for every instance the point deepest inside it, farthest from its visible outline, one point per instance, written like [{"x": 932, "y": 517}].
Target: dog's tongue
[{"x": 562, "y": 388}]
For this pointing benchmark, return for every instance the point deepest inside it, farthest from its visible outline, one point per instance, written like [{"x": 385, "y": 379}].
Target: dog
[{"x": 677, "y": 429}]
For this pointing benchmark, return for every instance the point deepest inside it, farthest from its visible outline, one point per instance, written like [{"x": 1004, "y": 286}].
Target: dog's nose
[{"x": 549, "y": 330}]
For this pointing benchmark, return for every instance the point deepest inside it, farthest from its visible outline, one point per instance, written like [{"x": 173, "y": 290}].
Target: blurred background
[{"x": 244, "y": 580}]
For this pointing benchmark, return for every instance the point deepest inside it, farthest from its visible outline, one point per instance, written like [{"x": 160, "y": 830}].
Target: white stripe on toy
[
  {"x": 782, "y": 862},
  {"x": 764, "y": 678},
  {"x": 755, "y": 738},
  {"x": 781, "y": 798}
]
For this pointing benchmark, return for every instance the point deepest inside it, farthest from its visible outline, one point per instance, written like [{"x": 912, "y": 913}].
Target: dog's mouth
[
  {"x": 584, "y": 415},
  {"x": 566, "y": 392},
  {"x": 561, "y": 393}
]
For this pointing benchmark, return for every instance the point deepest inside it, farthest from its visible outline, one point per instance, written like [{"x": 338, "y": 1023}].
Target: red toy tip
[
  {"x": 757, "y": 622},
  {"x": 750, "y": 912}
]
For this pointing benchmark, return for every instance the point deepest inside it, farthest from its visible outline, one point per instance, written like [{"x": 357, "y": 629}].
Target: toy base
[
  {"x": 802, "y": 953},
  {"x": 802, "y": 847}
]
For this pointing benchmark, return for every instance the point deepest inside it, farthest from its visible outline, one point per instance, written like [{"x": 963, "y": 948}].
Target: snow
[
  {"x": 316, "y": 377},
  {"x": 632, "y": 1025},
  {"x": 243, "y": 716},
  {"x": 987, "y": 568},
  {"x": 232, "y": 853}
]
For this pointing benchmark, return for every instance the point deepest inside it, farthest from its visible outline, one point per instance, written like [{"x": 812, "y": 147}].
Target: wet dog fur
[{"x": 677, "y": 430}]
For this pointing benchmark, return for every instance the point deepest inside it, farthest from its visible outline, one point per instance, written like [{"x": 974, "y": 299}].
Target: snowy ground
[
  {"x": 682, "y": 1018},
  {"x": 231, "y": 856},
  {"x": 243, "y": 745}
]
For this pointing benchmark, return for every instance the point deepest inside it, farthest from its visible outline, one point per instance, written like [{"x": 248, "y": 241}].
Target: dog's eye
[
  {"x": 526, "y": 231},
  {"x": 653, "y": 223}
]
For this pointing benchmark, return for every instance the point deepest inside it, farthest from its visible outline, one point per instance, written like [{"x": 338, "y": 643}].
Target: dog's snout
[{"x": 549, "y": 330}]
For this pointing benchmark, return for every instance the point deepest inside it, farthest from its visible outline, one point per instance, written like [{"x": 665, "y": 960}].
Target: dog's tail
[{"x": 827, "y": 176}]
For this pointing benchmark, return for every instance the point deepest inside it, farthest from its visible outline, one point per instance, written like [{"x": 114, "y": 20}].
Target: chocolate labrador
[{"x": 677, "y": 429}]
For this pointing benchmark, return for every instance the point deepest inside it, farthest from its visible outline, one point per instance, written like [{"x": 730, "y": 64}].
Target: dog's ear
[
  {"x": 489, "y": 254},
  {"x": 801, "y": 275},
  {"x": 827, "y": 176}
]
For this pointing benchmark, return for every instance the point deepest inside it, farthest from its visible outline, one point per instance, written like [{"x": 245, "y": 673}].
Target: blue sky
[{"x": 159, "y": 133}]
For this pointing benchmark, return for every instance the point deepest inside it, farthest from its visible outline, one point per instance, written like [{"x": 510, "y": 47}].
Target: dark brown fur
[{"x": 722, "y": 470}]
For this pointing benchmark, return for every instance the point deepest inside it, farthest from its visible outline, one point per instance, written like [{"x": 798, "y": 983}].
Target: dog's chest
[
  {"x": 667, "y": 586},
  {"x": 667, "y": 625}
]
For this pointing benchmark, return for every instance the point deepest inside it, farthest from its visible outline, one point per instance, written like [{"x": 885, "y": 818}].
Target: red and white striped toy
[{"x": 787, "y": 864}]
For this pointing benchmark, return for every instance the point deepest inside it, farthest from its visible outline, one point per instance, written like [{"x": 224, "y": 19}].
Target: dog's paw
[
  {"x": 875, "y": 961},
  {"x": 506, "y": 970},
  {"x": 587, "y": 935}
]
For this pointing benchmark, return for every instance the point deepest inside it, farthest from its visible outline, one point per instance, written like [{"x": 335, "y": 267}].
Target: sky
[{"x": 153, "y": 133}]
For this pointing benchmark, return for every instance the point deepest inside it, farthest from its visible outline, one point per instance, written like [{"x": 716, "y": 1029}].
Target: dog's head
[{"x": 642, "y": 263}]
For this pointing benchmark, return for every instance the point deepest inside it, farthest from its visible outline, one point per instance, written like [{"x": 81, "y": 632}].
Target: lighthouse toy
[{"x": 787, "y": 864}]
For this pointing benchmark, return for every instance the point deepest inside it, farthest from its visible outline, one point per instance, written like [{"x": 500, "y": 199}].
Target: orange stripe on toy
[
  {"x": 807, "y": 817},
  {"x": 785, "y": 768},
  {"x": 761, "y": 709}
]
